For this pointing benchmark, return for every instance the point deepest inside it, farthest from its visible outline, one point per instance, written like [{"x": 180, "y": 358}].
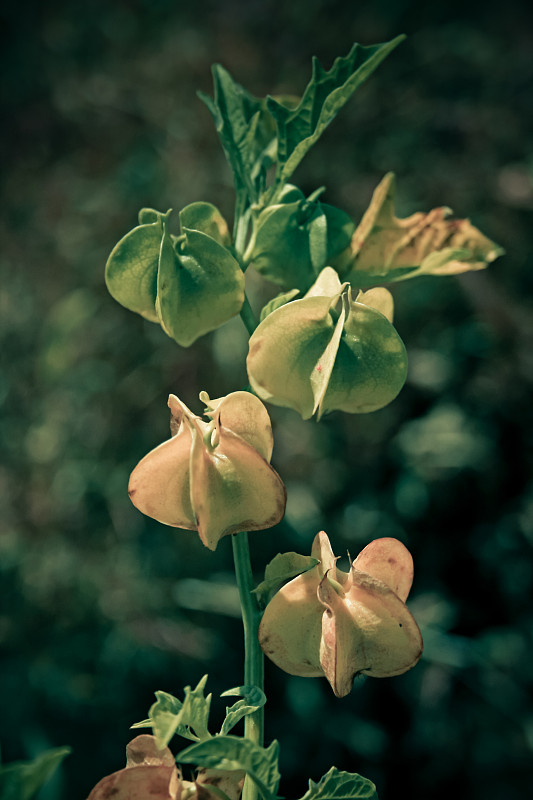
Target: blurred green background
[{"x": 101, "y": 606}]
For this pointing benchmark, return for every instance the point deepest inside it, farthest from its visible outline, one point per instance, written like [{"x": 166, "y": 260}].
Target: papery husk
[
  {"x": 233, "y": 488},
  {"x": 330, "y": 623},
  {"x": 244, "y": 414},
  {"x": 213, "y": 477},
  {"x": 159, "y": 486},
  {"x": 149, "y": 773},
  {"x": 365, "y": 629},
  {"x": 290, "y": 629}
]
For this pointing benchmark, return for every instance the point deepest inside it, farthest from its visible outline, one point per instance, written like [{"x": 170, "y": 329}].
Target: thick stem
[
  {"x": 248, "y": 316},
  {"x": 251, "y": 617},
  {"x": 253, "y": 655},
  {"x": 251, "y": 613}
]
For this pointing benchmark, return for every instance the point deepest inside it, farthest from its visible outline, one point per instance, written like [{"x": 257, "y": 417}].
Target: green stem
[
  {"x": 241, "y": 224},
  {"x": 253, "y": 655},
  {"x": 248, "y": 316},
  {"x": 251, "y": 613}
]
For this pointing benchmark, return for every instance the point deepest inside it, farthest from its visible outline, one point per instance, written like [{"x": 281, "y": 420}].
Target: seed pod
[
  {"x": 335, "y": 624},
  {"x": 149, "y": 772},
  {"x": 213, "y": 477},
  {"x": 199, "y": 286},
  {"x": 328, "y": 351},
  {"x": 190, "y": 284},
  {"x": 295, "y": 240}
]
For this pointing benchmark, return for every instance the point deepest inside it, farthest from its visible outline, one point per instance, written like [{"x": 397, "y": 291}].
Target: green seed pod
[
  {"x": 199, "y": 286},
  {"x": 214, "y": 477},
  {"x": 335, "y": 624},
  {"x": 328, "y": 351},
  {"x": 297, "y": 238},
  {"x": 191, "y": 284}
]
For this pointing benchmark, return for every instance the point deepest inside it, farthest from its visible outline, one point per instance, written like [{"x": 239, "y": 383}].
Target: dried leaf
[{"x": 386, "y": 248}]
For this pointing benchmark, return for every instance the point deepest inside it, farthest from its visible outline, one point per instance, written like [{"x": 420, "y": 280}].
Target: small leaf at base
[
  {"x": 234, "y": 753},
  {"x": 337, "y": 785}
]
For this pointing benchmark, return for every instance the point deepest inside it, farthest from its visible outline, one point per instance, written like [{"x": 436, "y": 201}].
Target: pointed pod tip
[{"x": 206, "y": 540}]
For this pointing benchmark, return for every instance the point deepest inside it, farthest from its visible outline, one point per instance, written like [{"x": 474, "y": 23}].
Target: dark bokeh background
[{"x": 100, "y": 606}]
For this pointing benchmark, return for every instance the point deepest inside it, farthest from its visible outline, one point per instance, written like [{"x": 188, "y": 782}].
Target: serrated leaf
[
  {"x": 278, "y": 301},
  {"x": 169, "y": 716},
  {"x": 244, "y": 127},
  {"x": 165, "y": 719},
  {"x": 253, "y": 698},
  {"x": 195, "y": 712},
  {"x": 21, "y": 780},
  {"x": 282, "y": 568},
  {"x": 325, "y": 95},
  {"x": 337, "y": 785},
  {"x": 234, "y": 753}
]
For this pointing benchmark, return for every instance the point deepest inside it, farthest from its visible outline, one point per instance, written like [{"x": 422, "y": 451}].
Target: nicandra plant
[{"x": 326, "y": 343}]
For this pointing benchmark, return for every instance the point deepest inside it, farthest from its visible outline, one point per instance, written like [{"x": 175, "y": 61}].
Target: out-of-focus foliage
[
  {"x": 101, "y": 606},
  {"x": 21, "y": 780}
]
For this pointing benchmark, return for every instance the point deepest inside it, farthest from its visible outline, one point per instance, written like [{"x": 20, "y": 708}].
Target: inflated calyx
[
  {"x": 212, "y": 476},
  {"x": 296, "y": 238},
  {"x": 329, "y": 351},
  {"x": 191, "y": 284},
  {"x": 330, "y": 623}
]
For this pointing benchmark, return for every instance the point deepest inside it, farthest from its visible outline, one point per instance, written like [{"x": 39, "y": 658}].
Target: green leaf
[
  {"x": 169, "y": 716},
  {"x": 21, "y": 780},
  {"x": 253, "y": 698},
  {"x": 245, "y": 129},
  {"x": 337, "y": 785},
  {"x": 282, "y": 568},
  {"x": 278, "y": 301},
  {"x": 234, "y": 753},
  {"x": 195, "y": 712},
  {"x": 325, "y": 95}
]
